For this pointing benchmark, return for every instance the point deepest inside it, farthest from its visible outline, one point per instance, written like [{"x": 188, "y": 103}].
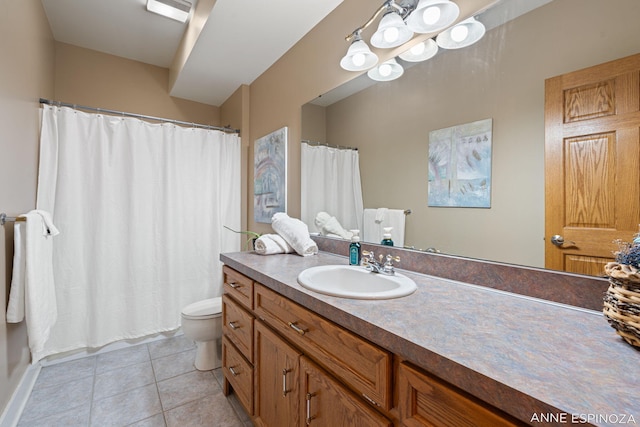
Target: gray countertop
[{"x": 529, "y": 357}]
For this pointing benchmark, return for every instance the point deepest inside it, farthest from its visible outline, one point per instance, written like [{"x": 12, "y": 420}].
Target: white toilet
[{"x": 202, "y": 322}]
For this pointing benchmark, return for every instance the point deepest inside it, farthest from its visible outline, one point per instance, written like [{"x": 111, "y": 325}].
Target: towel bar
[{"x": 4, "y": 218}]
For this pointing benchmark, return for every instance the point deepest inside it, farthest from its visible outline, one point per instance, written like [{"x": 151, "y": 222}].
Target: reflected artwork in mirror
[{"x": 500, "y": 77}]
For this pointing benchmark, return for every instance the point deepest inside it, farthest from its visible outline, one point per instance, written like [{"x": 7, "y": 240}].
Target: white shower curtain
[
  {"x": 141, "y": 209},
  {"x": 330, "y": 182}
]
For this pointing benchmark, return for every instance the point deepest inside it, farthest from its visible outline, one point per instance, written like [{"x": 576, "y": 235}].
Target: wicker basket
[{"x": 622, "y": 301}]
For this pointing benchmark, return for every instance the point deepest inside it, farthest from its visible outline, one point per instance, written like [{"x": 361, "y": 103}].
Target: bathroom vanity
[{"x": 449, "y": 354}]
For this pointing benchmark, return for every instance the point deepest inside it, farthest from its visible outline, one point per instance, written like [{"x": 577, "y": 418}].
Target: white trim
[{"x": 13, "y": 411}]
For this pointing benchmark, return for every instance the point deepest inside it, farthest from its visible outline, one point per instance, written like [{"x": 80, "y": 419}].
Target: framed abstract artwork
[
  {"x": 270, "y": 175},
  {"x": 460, "y": 165}
]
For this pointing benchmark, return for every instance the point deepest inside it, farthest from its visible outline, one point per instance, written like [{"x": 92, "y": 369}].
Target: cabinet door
[
  {"x": 427, "y": 401},
  {"x": 325, "y": 402},
  {"x": 276, "y": 380}
]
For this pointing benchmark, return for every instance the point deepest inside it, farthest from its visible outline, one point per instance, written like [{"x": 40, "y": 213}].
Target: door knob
[{"x": 558, "y": 240}]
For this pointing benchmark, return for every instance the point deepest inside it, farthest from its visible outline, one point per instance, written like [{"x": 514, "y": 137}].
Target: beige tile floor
[{"x": 150, "y": 385}]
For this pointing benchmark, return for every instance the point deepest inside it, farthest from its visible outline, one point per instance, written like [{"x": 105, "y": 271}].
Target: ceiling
[{"x": 239, "y": 40}]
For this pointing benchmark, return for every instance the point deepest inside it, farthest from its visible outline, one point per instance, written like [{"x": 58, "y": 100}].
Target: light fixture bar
[
  {"x": 389, "y": 4},
  {"x": 175, "y": 9}
]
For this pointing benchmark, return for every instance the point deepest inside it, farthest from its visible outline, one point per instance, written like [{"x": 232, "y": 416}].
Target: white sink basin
[{"x": 350, "y": 281}]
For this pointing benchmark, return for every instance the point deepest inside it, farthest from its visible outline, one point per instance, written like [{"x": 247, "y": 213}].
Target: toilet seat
[{"x": 205, "y": 309}]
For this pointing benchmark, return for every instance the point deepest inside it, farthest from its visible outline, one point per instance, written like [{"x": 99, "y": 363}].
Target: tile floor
[{"x": 150, "y": 385}]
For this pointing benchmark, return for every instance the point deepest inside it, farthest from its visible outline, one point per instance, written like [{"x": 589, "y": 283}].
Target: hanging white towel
[
  {"x": 15, "y": 309},
  {"x": 375, "y": 220},
  {"x": 295, "y": 232},
  {"x": 269, "y": 244},
  {"x": 32, "y": 281},
  {"x": 381, "y": 214}
]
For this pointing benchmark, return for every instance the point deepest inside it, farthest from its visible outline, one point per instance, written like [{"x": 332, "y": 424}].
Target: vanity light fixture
[
  {"x": 421, "y": 51},
  {"x": 392, "y": 31},
  {"x": 387, "y": 71},
  {"x": 399, "y": 21},
  {"x": 175, "y": 9},
  {"x": 359, "y": 57},
  {"x": 461, "y": 35},
  {"x": 431, "y": 16}
]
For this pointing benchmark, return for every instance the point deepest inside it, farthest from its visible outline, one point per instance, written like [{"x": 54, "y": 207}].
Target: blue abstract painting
[
  {"x": 460, "y": 165},
  {"x": 270, "y": 175}
]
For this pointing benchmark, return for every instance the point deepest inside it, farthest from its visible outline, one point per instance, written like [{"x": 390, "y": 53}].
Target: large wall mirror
[{"x": 501, "y": 77}]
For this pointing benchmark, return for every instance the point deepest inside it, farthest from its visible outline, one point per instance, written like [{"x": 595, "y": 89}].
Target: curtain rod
[
  {"x": 325, "y": 144},
  {"x": 226, "y": 129}
]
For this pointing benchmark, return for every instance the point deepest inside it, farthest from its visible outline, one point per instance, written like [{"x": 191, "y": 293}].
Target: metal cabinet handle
[
  {"x": 235, "y": 285},
  {"x": 296, "y": 328},
  {"x": 233, "y": 325},
  {"x": 309, "y": 417},
  {"x": 233, "y": 371},
  {"x": 285, "y": 390}
]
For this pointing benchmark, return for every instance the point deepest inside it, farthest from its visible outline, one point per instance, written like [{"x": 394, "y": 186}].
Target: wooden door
[
  {"x": 324, "y": 402},
  {"x": 276, "y": 380},
  {"x": 592, "y": 167}
]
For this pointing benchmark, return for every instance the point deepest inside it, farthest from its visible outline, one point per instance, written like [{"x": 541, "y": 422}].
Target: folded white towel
[
  {"x": 269, "y": 244},
  {"x": 34, "y": 285},
  {"x": 330, "y": 226},
  {"x": 295, "y": 232}
]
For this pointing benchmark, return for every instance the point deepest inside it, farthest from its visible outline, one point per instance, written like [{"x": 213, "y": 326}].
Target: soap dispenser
[
  {"x": 354, "y": 248},
  {"x": 386, "y": 237}
]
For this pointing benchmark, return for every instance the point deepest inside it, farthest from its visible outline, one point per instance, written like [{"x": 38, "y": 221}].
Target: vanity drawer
[
  {"x": 237, "y": 326},
  {"x": 363, "y": 366},
  {"x": 238, "y": 285},
  {"x": 239, "y": 373},
  {"x": 424, "y": 400}
]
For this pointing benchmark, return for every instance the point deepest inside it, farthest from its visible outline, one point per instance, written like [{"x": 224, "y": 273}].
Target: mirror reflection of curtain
[{"x": 330, "y": 182}]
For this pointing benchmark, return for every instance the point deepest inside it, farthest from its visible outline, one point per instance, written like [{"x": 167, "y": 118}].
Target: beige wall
[
  {"x": 95, "y": 79},
  {"x": 26, "y": 73},
  {"x": 501, "y": 77},
  {"x": 314, "y": 123}
]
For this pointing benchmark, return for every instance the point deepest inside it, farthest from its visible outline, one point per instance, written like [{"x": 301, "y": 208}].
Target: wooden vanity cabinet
[
  {"x": 237, "y": 326},
  {"x": 424, "y": 400},
  {"x": 363, "y": 366},
  {"x": 238, "y": 374},
  {"x": 326, "y": 402},
  {"x": 239, "y": 286},
  {"x": 276, "y": 380},
  {"x": 237, "y": 337},
  {"x": 291, "y": 367}
]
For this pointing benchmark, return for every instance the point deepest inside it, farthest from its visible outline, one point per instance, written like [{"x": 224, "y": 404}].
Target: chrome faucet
[{"x": 369, "y": 261}]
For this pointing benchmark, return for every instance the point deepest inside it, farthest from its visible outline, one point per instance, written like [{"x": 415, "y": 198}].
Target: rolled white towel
[
  {"x": 295, "y": 232},
  {"x": 330, "y": 226},
  {"x": 269, "y": 244}
]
